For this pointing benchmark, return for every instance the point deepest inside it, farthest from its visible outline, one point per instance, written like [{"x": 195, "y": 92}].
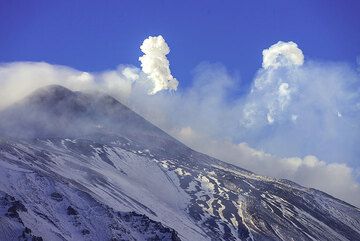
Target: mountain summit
[{"x": 76, "y": 166}]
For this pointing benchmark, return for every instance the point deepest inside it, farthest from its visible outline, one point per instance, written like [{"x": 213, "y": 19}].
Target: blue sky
[{"x": 99, "y": 35}]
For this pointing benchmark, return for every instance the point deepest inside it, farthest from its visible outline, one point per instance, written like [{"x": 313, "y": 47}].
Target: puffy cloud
[
  {"x": 18, "y": 79},
  {"x": 282, "y": 54},
  {"x": 155, "y": 64},
  {"x": 131, "y": 73},
  {"x": 118, "y": 83}
]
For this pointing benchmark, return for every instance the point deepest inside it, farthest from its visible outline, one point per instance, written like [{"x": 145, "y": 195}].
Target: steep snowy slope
[{"x": 75, "y": 166}]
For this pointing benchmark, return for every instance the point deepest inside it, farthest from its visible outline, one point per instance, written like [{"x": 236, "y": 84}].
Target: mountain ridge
[{"x": 119, "y": 160}]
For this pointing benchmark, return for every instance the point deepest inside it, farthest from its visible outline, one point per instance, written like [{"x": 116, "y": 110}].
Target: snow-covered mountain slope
[{"x": 75, "y": 166}]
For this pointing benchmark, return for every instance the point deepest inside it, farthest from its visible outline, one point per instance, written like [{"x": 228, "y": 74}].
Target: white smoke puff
[
  {"x": 284, "y": 95},
  {"x": 155, "y": 64},
  {"x": 282, "y": 54},
  {"x": 270, "y": 118},
  {"x": 284, "y": 89}
]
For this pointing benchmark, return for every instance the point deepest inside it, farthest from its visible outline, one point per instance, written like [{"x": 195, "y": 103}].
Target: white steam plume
[
  {"x": 155, "y": 64},
  {"x": 282, "y": 54}
]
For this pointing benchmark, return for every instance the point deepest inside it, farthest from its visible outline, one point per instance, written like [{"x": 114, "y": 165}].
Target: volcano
[{"x": 80, "y": 166}]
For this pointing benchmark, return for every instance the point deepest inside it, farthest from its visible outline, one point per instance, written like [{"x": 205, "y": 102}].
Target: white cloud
[
  {"x": 282, "y": 54},
  {"x": 18, "y": 79},
  {"x": 131, "y": 73},
  {"x": 118, "y": 83},
  {"x": 155, "y": 64}
]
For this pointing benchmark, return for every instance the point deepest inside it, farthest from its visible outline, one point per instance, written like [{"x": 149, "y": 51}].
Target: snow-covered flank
[{"x": 37, "y": 205}]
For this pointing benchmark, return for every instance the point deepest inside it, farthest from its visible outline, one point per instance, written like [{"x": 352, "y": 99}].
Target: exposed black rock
[
  {"x": 71, "y": 211},
  {"x": 56, "y": 196}
]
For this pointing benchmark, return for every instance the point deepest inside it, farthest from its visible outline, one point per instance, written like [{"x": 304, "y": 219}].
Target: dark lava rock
[
  {"x": 144, "y": 224},
  {"x": 26, "y": 235},
  {"x": 56, "y": 196},
  {"x": 16, "y": 206},
  {"x": 71, "y": 211},
  {"x": 35, "y": 238}
]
